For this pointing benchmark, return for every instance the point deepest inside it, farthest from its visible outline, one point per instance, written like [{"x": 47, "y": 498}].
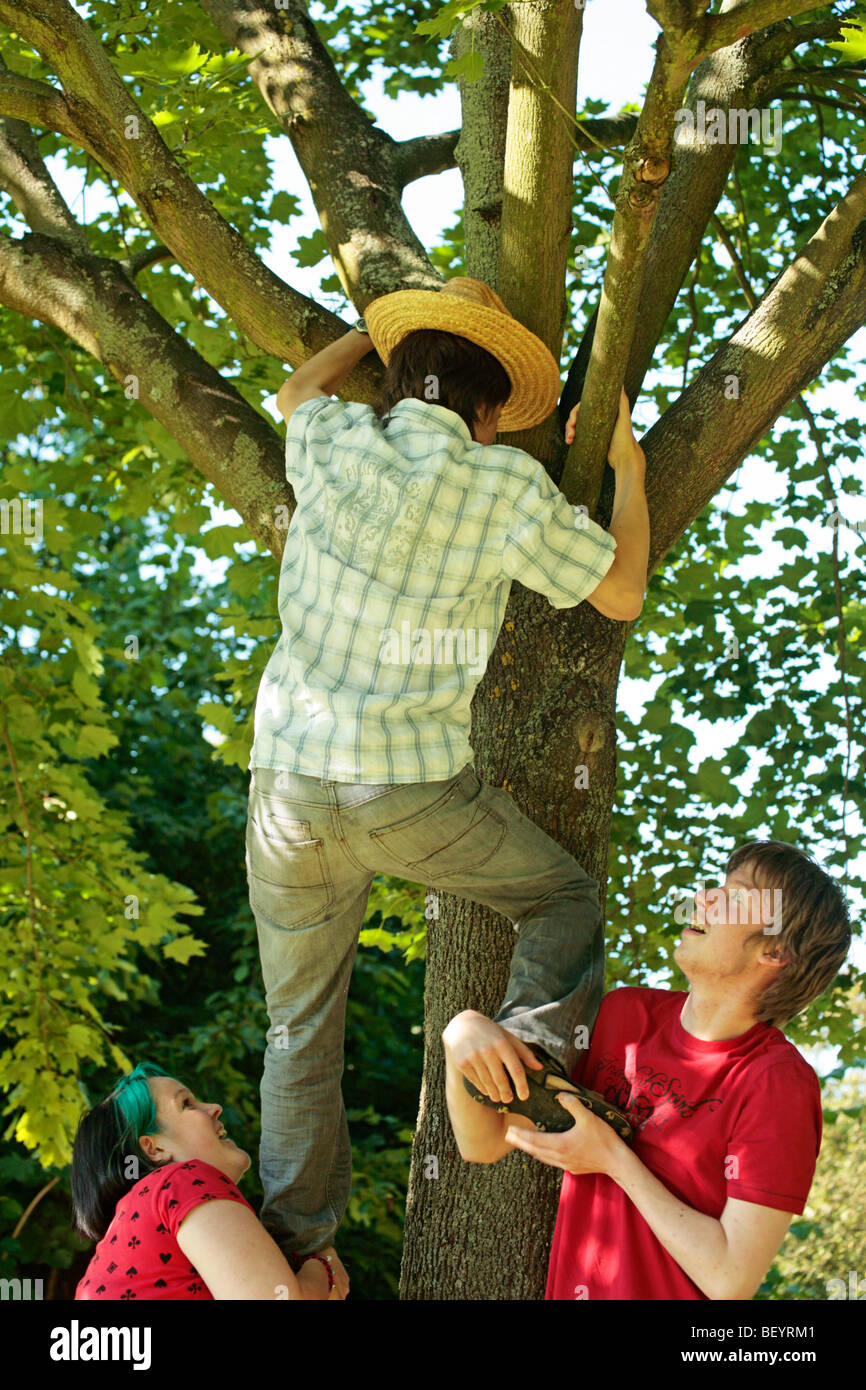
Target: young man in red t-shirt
[{"x": 726, "y": 1112}]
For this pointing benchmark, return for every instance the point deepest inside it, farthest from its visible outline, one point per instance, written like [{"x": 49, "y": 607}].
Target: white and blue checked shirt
[{"x": 394, "y": 580}]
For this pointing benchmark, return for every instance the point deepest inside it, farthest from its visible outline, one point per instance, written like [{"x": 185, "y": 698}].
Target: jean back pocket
[{"x": 287, "y": 869}]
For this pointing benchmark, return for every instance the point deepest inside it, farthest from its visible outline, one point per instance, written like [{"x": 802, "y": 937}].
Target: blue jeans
[{"x": 313, "y": 849}]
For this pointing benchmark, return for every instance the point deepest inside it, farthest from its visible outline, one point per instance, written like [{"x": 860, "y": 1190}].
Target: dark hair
[
  {"x": 445, "y": 369},
  {"x": 107, "y": 1159},
  {"x": 815, "y": 933}
]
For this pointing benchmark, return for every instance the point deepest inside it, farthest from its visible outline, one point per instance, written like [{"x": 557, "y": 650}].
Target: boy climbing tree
[{"x": 412, "y": 515}]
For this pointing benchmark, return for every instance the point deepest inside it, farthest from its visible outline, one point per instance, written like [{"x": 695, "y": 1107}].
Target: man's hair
[
  {"x": 815, "y": 930},
  {"x": 445, "y": 369}
]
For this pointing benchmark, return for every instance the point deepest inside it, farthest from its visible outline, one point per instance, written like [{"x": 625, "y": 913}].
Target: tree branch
[
  {"x": 96, "y": 111},
  {"x": 718, "y": 31},
  {"x": 353, "y": 168},
  {"x": 423, "y": 155},
  {"x": 142, "y": 260},
  {"x": 814, "y": 99},
  {"x": 827, "y": 72},
  {"x": 30, "y": 186},
  {"x": 739, "y": 269},
  {"x": 673, "y": 16},
  {"x": 794, "y": 83},
  {"x": 36, "y": 103},
  {"x": 648, "y": 262},
  {"x": 655, "y": 274},
  {"x": 432, "y": 154},
  {"x": 797, "y": 34},
  {"x": 609, "y": 132},
  {"x": 480, "y": 151},
  {"x": 732, "y": 77},
  {"x": 533, "y": 253},
  {"x": 646, "y": 168},
  {"x": 806, "y": 316},
  {"x": 792, "y": 78},
  {"x": 92, "y": 301}
]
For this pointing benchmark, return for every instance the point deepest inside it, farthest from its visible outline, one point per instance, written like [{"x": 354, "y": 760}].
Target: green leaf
[
  {"x": 184, "y": 948},
  {"x": 853, "y": 46},
  {"x": 311, "y": 249},
  {"x": 468, "y": 66},
  {"x": 86, "y": 689},
  {"x": 284, "y": 206},
  {"x": 94, "y": 741},
  {"x": 186, "y": 62}
]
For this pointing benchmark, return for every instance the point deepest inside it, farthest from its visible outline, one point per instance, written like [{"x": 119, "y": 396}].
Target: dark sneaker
[{"x": 542, "y": 1107}]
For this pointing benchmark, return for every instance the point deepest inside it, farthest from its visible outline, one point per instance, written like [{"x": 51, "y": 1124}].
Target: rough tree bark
[
  {"x": 547, "y": 705},
  {"x": 547, "y": 702}
]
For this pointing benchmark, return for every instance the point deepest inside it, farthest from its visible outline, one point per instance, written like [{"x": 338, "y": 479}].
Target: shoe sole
[{"x": 545, "y": 1112}]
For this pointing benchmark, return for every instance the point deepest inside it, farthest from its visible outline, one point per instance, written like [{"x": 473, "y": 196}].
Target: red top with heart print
[{"x": 139, "y": 1257}]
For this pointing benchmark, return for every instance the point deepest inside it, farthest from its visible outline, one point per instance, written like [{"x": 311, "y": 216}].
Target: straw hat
[{"x": 470, "y": 308}]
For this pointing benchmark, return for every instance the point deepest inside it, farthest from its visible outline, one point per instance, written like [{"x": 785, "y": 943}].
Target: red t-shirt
[
  {"x": 139, "y": 1257},
  {"x": 739, "y": 1118}
]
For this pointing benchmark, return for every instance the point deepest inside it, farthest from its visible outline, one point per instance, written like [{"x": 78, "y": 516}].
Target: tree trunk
[
  {"x": 547, "y": 702},
  {"x": 545, "y": 706}
]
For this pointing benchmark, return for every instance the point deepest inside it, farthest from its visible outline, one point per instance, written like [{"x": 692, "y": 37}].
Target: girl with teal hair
[{"x": 154, "y": 1183}]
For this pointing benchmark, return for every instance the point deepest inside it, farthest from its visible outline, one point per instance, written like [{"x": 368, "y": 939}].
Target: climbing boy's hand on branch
[
  {"x": 620, "y": 594},
  {"x": 624, "y": 448}
]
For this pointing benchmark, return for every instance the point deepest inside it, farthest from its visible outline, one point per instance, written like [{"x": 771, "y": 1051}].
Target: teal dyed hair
[
  {"x": 107, "y": 1158},
  {"x": 133, "y": 1103}
]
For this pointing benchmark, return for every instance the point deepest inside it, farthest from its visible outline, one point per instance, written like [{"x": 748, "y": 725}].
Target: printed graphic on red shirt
[
  {"x": 738, "y": 1118},
  {"x": 651, "y": 1097},
  {"x": 139, "y": 1256}
]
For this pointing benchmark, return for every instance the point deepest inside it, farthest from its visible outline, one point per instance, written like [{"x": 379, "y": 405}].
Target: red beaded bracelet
[{"x": 301, "y": 1259}]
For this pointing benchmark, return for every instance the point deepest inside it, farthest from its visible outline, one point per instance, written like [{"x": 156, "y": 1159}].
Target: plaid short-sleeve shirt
[{"x": 393, "y": 586}]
